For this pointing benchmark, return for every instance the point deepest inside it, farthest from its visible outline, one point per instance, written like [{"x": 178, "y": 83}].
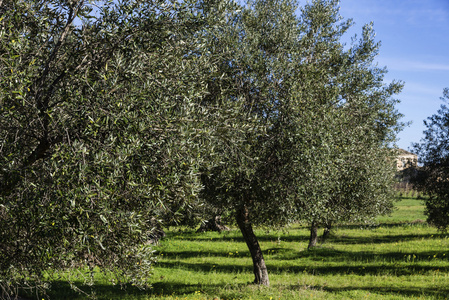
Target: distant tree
[
  {"x": 432, "y": 178},
  {"x": 348, "y": 123}
]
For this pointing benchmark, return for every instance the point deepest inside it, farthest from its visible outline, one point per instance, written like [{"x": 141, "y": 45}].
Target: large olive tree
[
  {"x": 318, "y": 119},
  {"x": 248, "y": 184},
  {"x": 100, "y": 129}
]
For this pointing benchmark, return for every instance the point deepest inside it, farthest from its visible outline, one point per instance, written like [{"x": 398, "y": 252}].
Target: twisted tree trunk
[
  {"x": 213, "y": 224},
  {"x": 313, "y": 235},
  {"x": 327, "y": 231},
  {"x": 260, "y": 269}
]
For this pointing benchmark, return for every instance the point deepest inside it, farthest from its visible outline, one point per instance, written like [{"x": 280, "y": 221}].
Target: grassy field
[{"x": 399, "y": 258}]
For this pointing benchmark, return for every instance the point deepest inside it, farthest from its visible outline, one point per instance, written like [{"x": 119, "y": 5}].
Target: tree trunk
[
  {"x": 327, "y": 231},
  {"x": 313, "y": 235},
  {"x": 213, "y": 224},
  {"x": 260, "y": 270}
]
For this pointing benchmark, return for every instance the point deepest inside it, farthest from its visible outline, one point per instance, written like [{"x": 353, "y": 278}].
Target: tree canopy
[
  {"x": 115, "y": 114},
  {"x": 99, "y": 131},
  {"x": 349, "y": 123},
  {"x": 432, "y": 177},
  {"x": 319, "y": 151}
]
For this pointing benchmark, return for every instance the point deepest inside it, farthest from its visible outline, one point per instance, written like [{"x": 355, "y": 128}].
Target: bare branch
[{"x": 72, "y": 15}]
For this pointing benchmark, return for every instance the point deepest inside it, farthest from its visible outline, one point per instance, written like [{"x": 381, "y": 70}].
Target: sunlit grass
[
  {"x": 407, "y": 210},
  {"x": 389, "y": 262},
  {"x": 395, "y": 259}
]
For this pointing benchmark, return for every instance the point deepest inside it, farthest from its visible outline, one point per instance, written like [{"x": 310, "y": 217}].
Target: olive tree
[
  {"x": 101, "y": 128},
  {"x": 248, "y": 183},
  {"x": 313, "y": 113},
  {"x": 432, "y": 177},
  {"x": 349, "y": 121}
]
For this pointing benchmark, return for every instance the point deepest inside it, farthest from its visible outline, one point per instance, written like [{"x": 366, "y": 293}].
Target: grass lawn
[
  {"x": 408, "y": 210},
  {"x": 399, "y": 258}
]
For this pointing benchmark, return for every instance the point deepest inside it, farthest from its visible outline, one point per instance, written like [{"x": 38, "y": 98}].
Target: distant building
[{"x": 406, "y": 160}]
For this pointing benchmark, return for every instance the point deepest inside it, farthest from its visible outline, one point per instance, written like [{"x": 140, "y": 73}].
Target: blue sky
[{"x": 415, "y": 49}]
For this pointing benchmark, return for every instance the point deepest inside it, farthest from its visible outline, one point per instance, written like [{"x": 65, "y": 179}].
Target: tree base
[{"x": 213, "y": 224}]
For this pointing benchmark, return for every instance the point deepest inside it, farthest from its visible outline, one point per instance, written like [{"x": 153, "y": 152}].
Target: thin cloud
[
  {"x": 413, "y": 12},
  {"x": 409, "y": 65},
  {"x": 430, "y": 66},
  {"x": 415, "y": 89}
]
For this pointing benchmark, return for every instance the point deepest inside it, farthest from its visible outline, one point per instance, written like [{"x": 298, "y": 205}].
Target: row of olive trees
[{"x": 118, "y": 113}]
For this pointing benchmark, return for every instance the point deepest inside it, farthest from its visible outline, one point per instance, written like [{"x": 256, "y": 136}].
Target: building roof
[{"x": 404, "y": 152}]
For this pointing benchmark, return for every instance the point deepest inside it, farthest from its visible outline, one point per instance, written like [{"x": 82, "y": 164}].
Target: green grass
[
  {"x": 397, "y": 259},
  {"x": 407, "y": 210}
]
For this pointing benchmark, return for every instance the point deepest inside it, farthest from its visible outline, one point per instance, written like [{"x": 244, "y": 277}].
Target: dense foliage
[
  {"x": 348, "y": 124},
  {"x": 319, "y": 151},
  {"x": 99, "y": 131},
  {"x": 432, "y": 177},
  {"x": 118, "y": 114}
]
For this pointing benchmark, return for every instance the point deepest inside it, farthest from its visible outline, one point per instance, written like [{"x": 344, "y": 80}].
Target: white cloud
[
  {"x": 416, "y": 91},
  {"x": 429, "y": 66},
  {"x": 399, "y": 64}
]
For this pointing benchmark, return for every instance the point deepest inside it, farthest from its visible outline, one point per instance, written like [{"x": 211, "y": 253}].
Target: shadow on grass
[
  {"x": 384, "y": 239},
  {"x": 408, "y": 292},
  {"x": 321, "y": 261},
  {"x": 317, "y": 254},
  {"x": 178, "y": 289},
  {"x": 235, "y": 236},
  {"x": 392, "y": 224},
  {"x": 208, "y": 267},
  {"x": 192, "y": 254},
  {"x": 62, "y": 290},
  {"x": 222, "y": 254},
  {"x": 394, "y": 291},
  {"x": 329, "y": 254},
  {"x": 322, "y": 269},
  {"x": 165, "y": 288}
]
